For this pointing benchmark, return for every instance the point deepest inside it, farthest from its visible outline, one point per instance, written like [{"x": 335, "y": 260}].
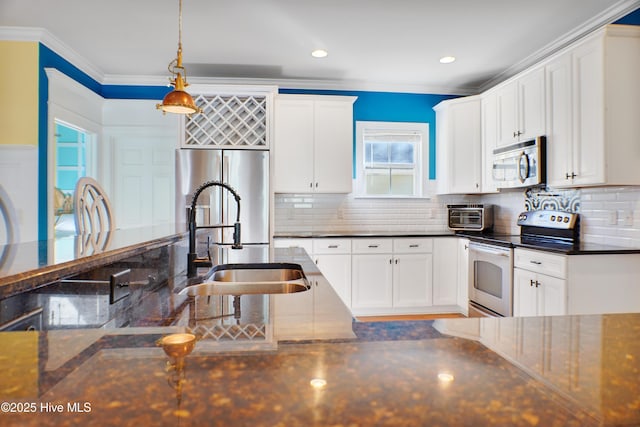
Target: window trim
[{"x": 422, "y": 157}]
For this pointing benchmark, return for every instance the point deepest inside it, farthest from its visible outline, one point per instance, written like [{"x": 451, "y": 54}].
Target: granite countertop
[
  {"x": 577, "y": 248},
  {"x": 560, "y": 371},
  {"x": 254, "y": 367},
  {"x": 508, "y": 240},
  {"x": 24, "y": 266},
  {"x": 355, "y": 235}
]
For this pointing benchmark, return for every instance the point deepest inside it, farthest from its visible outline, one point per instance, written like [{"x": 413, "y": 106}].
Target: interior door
[{"x": 143, "y": 181}]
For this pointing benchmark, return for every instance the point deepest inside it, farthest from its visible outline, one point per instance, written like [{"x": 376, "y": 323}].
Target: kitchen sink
[{"x": 243, "y": 279}]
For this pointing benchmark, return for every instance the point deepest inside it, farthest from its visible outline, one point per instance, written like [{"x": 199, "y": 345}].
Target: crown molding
[
  {"x": 43, "y": 36},
  {"x": 308, "y": 84},
  {"x": 608, "y": 16}
]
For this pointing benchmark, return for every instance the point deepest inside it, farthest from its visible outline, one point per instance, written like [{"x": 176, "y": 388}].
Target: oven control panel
[{"x": 549, "y": 219}]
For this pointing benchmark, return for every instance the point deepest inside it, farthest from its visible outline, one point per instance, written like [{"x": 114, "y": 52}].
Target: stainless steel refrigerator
[{"x": 247, "y": 171}]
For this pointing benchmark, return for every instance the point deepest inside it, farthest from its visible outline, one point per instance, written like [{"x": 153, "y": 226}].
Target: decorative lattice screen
[
  {"x": 228, "y": 120},
  {"x": 219, "y": 332}
]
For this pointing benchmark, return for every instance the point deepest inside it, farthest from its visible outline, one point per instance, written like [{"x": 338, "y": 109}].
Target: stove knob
[
  {"x": 566, "y": 219},
  {"x": 559, "y": 219},
  {"x": 553, "y": 217}
]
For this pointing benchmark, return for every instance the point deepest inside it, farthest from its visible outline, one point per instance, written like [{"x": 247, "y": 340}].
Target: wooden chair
[{"x": 93, "y": 215}]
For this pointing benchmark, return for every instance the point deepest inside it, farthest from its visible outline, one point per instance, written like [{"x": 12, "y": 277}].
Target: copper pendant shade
[{"x": 178, "y": 101}]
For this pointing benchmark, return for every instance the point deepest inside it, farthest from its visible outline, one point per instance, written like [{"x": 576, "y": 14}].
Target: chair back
[
  {"x": 93, "y": 213},
  {"x": 8, "y": 228}
]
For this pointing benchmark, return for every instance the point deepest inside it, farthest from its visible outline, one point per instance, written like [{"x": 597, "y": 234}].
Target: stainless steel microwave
[
  {"x": 470, "y": 217},
  {"x": 521, "y": 164}
]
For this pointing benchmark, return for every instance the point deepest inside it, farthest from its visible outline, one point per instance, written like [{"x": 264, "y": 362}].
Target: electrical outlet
[
  {"x": 627, "y": 218},
  {"x": 613, "y": 218}
]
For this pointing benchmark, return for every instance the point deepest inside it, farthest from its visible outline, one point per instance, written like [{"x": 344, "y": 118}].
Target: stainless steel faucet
[{"x": 193, "y": 262}]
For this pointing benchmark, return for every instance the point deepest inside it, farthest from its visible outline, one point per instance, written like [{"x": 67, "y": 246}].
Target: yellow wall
[{"x": 19, "y": 93}]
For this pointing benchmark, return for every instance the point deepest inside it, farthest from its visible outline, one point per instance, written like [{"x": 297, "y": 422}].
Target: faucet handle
[{"x": 236, "y": 236}]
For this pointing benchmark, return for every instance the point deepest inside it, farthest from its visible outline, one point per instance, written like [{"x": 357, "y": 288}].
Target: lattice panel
[
  {"x": 248, "y": 331},
  {"x": 229, "y": 120}
]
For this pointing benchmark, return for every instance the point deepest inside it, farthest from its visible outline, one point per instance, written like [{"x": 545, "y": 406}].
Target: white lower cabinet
[
  {"x": 371, "y": 281},
  {"x": 463, "y": 275},
  {"x": 547, "y": 284},
  {"x": 333, "y": 258},
  {"x": 392, "y": 276},
  {"x": 412, "y": 280},
  {"x": 385, "y": 276},
  {"x": 539, "y": 285},
  {"x": 538, "y": 294},
  {"x": 445, "y": 271}
]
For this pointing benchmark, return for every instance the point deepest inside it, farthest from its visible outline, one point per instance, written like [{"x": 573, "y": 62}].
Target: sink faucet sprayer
[{"x": 193, "y": 262}]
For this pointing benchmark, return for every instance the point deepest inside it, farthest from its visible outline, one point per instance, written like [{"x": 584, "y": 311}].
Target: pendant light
[{"x": 178, "y": 101}]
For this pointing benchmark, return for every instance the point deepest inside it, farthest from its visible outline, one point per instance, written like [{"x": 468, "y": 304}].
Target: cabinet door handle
[
  {"x": 390, "y": 261},
  {"x": 537, "y": 283},
  {"x": 316, "y": 185},
  {"x": 535, "y": 262},
  {"x": 373, "y": 246},
  {"x": 396, "y": 261},
  {"x": 531, "y": 282},
  {"x": 311, "y": 185}
]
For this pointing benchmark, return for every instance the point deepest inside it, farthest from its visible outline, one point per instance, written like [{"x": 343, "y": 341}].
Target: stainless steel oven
[{"x": 490, "y": 280}]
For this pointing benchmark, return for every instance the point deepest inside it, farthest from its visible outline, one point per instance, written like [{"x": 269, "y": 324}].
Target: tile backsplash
[
  {"x": 338, "y": 213},
  {"x": 609, "y": 215}
]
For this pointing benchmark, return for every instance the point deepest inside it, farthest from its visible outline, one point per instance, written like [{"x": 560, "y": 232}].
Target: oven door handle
[{"x": 482, "y": 249}]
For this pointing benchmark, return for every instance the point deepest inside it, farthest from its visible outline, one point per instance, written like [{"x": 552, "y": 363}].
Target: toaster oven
[{"x": 470, "y": 217}]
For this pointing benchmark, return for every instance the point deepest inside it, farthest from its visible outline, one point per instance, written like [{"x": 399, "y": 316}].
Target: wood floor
[{"x": 409, "y": 317}]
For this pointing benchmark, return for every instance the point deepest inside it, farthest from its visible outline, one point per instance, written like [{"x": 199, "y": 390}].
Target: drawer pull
[
  {"x": 414, "y": 246},
  {"x": 373, "y": 246},
  {"x": 333, "y": 246},
  {"x": 535, "y": 262}
]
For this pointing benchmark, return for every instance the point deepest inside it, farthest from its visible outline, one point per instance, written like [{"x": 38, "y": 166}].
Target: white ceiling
[{"x": 372, "y": 44}]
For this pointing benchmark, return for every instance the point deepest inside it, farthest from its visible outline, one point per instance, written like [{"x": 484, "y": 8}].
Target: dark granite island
[{"x": 547, "y": 371}]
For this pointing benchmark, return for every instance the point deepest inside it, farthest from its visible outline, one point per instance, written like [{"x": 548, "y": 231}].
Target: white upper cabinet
[
  {"x": 459, "y": 146},
  {"x": 593, "y": 107},
  {"x": 521, "y": 108},
  {"x": 489, "y": 114},
  {"x": 313, "y": 147}
]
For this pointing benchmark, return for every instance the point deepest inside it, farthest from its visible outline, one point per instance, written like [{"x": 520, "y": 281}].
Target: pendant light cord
[{"x": 180, "y": 26}]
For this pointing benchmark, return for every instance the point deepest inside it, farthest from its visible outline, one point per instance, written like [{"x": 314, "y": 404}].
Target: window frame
[{"x": 421, "y": 157}]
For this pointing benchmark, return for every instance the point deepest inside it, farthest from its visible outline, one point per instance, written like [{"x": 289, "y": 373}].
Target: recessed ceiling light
[
  {"x": 447, "y": 59},
  {"x": 319, "y": 53}
]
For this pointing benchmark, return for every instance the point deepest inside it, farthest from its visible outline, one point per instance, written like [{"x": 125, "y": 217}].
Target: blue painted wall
[{"x": 631, "y": 19}]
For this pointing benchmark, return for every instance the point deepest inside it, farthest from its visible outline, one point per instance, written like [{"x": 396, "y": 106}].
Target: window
[{"x": 392, "y": 159}]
